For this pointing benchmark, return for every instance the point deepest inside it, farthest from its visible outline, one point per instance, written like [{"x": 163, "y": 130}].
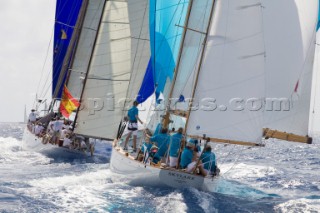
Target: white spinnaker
[
  {"x": 192, "y": 47},
  {"x": 290, "y": 45},
  {"x": 109, "y": 71},
  {"x": 139, "y": 25},
  {"x": 232, "y": 70},
  {"x": 85, "y": 47}
]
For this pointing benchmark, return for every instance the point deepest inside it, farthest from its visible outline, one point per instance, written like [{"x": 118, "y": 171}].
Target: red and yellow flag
[{"x": 68, "y": 103}]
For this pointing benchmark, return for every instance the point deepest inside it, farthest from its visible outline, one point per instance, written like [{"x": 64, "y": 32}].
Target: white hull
[
  {"x": 141, "y": 174},
  {"x": 35, "y": 144}
]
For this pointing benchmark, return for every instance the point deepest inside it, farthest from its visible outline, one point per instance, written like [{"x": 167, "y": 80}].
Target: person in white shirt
[
  {"x": 67, "y": 141},
  {"x": 31, "y": 120},
  {"x": 38, "y": 130},
  {"x": 56, "y": 127},
  {"x": 32, "y": 116}
]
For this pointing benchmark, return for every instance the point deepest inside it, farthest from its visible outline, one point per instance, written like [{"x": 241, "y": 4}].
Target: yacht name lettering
[{"x": 181, "y": 176}]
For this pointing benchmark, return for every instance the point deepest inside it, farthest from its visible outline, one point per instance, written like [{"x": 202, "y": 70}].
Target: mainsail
[
  {"x": 232, "y": 65},
  {"x": 117, "y": 52},
  {"x": 231, "y": 71}
]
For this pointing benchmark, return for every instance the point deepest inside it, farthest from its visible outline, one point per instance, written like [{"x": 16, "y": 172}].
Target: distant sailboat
[
  {"x": 25, "y": 118},
  {"x": 96, "y": 53},
  {"x": 234, "y": 56}
]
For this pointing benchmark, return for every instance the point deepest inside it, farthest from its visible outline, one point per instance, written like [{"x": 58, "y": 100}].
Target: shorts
[
  {"x": 191, "y": 166},
  {"x": 173, "y": 161},
  {"x": 133, "y": 127},
  {"x": 56, "y": 134}
]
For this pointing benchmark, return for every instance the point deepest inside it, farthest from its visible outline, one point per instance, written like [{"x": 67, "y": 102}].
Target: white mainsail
[
  {"x": 231, "y": 74},
  {"x": 84, "y": 47},
  {"x": 290, "y": 42},
  {"x": 110, "y": 68}
]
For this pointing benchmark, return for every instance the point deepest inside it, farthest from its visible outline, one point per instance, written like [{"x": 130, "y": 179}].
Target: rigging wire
[
  {"x": 135, "y": 57},
  {"x": 197, "y": 55}
]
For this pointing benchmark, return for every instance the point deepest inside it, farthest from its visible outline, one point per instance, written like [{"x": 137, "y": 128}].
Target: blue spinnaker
[
  {"x": 166, "y": 18},
  {"x": 147, "y": 87},
  {"x": 66, "y": 16}
]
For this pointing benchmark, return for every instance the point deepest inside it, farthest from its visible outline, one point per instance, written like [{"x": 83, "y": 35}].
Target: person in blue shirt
[
  {"x": 187, "y": 155},
  {"x": 133, "y": 116},
  {"x": 162, "y": 141},
  {"x": 158, "y": 129},
  {"x": 175, "y": 147},
  {"x": 144, "y": 150},
  {"x": 196, "y": 144},
  {"x": 208, "y": 159}
]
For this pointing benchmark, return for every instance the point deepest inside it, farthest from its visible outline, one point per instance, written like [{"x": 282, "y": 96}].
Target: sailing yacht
[
  {"x": 242, "y": 72},
  {"x": 98, "y": 45}
]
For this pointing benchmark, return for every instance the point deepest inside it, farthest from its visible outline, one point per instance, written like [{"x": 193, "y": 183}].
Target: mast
[
  {"x": 166, "y": 118},
  {"x": 87, "y": 72},
  {"x": 200, "y": 64},
  {"x": 110, "y": 68},
  {"x": 219, "y": 58}
]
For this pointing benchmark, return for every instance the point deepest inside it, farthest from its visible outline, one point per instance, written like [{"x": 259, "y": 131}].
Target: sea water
[{"x": 281, "y": 177}]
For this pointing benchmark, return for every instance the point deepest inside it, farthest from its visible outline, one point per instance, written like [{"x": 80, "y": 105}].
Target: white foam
[
  {"x": 299, "y": 205},
  {"x": 172, "y": 202}
]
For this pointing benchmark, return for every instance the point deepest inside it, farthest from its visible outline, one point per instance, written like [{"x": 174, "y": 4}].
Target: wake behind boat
[
  {"x": 227, "y": 76},
  {"x": 60, "y": 127}
]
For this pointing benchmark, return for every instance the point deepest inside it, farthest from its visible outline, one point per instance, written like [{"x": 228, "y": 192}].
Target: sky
[
  {"x": 26, "y": 32},
  {"x": 26, "y": 29}
]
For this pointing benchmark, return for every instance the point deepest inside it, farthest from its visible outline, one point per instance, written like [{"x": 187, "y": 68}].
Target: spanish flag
[{"x": 68, "y": 103}]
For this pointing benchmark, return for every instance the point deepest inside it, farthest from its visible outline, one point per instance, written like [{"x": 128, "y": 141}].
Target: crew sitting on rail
[
  {"x": 144, "y": 151},
  {"x": 39, "y": 130},
  {"x": 196, "y": 144},
  {"x": 208, "y": 159},
  {"x": 67, "y": 141},
  {"x": 190, "y": 160},
  {"x": 187, "y": 155},
  {"x": 162, "y": 141}
]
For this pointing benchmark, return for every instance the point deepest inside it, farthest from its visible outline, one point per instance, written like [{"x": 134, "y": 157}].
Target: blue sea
[{"x": 281, "y": 177}]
